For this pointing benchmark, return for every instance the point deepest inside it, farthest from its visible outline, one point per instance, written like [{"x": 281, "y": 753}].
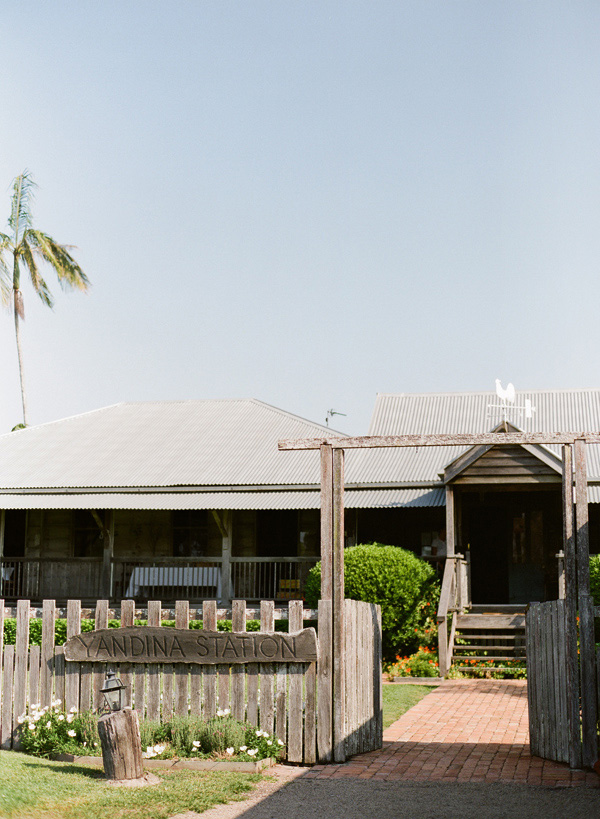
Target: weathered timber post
[
  {"x": 589, "y": 712},
  {"x": 325, "y": 678},
  {"x": 121, "y": 745},
  {"x": 339, "y": 639},
  {"x": 571, "y": 611}
]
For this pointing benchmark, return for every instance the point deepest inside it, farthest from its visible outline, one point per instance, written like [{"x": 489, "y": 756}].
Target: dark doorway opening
[{"x": 513, "y": 539}]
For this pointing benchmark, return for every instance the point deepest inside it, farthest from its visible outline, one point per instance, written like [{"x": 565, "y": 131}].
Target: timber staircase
[
  {"x": 470, "y": 636},
  {"x": 493, "y": 632}
]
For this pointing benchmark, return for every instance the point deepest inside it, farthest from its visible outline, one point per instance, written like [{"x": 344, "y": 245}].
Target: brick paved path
[{"x": 464, "y": 731}]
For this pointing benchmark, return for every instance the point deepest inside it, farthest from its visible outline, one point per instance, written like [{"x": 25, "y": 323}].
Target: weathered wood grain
[
  {"x": 325, "y": 683},
  {"x": 72, "y": 670},
  {"x": 454, "y": 439},
  {"x": 238, "y": 672},
  {"x": 152, "y": 670},
  {"x": 121, "y": 745},
  {"x": 6, "y": 712},
  {"x": 125, "y": 669},
  {"x": 209, "y": 621},
  {"x": 182, "y": 621},
  {"x": 99, "y": 669},
  {"x": 339, "y": 657},
  {"x": 267, "y": 711},
  {"x": 21, "y": 658},
  {"x": 295, "y": 671}
]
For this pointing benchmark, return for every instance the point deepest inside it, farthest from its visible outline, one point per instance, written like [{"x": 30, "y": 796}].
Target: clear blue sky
[{"x": 305, "y": 202}]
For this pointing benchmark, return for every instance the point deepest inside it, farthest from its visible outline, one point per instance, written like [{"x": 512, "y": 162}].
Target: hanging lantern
[{"x": 113, "y": 691}]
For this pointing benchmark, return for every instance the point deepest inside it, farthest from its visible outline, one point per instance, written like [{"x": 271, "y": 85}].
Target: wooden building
[{"x": 502, "y": 505}]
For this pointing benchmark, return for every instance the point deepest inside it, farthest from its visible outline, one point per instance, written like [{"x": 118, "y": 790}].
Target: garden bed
[{"x": 232, "y": 765}]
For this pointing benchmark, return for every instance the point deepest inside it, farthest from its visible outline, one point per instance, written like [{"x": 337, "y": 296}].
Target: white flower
[
  {"x": 280, "y": 742},
  {"x": 70, "y": 718},
  {"x": 84, "y": 744},
  {"x": 269, "y": 742},
  {"x": 71, "y": 733},
  {"x": 196, "y": 743},
  {"x": 57, "y": 703},
  {"x": 220, "y": 713},
  {"x": 31, "y": 726},
  {"x": 226, "y": 712},
  {"x": 258, "y": 733},
  {"x": 148, "y": 753},
  {"x": 21, "y": 719},
  {"x": 243, "y": 747},
  {"x": 36, "y": 716},
  {"x": 95, "y": 744},
  {"x": 35, "y": 707},
  {"x": 253, "y": 752},
  {"x": 72, "y": 710},
  {"x": 230, "y": 751},
  {"x": 61, "y": 717},
  {"x": 45, "y": 708},
  {"x": 48, "y": 724},
  {"x": 159, "y": 748}
]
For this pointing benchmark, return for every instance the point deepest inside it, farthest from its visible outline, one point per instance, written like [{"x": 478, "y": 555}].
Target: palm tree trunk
[{"x": 17, "y": 308}]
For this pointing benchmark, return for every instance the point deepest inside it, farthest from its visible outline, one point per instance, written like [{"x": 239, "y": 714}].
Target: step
[
  {"x": 483, "y": 657},
  {"x": 494, "y": 636},
  {"x": 490, "y": 621},
  {"x": 488, "y": 647},
  {"x": 498, "y": 608}
]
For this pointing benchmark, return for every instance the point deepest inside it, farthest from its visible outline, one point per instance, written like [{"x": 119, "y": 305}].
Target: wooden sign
[{"x": 146, "y": 644}]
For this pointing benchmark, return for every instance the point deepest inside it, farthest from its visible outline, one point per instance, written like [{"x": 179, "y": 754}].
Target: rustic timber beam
[{"x": 459, "y": 439}]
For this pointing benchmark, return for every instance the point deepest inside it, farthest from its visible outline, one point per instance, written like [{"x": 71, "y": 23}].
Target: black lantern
[{"x": 113, "y": 691}]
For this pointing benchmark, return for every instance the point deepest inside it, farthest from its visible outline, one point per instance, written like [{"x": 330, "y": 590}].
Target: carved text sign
[{"x": 146, "y": 644}]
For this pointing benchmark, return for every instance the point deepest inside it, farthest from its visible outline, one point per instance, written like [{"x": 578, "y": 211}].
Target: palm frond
[
  {"x": 66, "y": 268},
  {"x": 5, "y": 286},
  {"x": 20, "y": 206},
  {"x": 39, "y": 285}
]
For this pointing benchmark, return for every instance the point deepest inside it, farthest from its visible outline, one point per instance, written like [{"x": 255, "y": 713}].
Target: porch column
[
  {"x": 450, "y": 521},
  {"x": 223, "y": 519},
  {"x": 108, "y": 532}
]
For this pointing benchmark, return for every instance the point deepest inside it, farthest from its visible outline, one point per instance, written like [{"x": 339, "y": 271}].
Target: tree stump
[{"x": 121, "y": 745}]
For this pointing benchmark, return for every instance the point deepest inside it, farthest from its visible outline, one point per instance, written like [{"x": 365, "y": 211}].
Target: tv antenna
[{"x": 331, "y": 413}]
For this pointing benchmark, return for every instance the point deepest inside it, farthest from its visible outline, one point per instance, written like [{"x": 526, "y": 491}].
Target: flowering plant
[
  {"x": 49, "y": 730},
  {"x": 424, "y": 663}
]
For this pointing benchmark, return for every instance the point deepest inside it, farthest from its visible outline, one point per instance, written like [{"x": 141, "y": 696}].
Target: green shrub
[
  {"x": 595, "y": 578},
  {"x": 405, "y": 587},
  {"x": 60, "y": 628}
]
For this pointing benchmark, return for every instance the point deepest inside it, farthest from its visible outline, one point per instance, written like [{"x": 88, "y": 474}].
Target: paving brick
[{"x": 464, "y": 731}]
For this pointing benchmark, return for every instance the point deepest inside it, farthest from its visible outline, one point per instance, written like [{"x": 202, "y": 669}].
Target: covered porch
[{"x": 157, "y": 554}]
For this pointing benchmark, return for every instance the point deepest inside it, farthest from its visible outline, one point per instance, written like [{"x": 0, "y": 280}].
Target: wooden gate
[{"x": 280, "y": 698}]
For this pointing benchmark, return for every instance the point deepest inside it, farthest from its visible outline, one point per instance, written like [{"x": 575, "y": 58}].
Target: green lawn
[
  {"x": 397, "y": 699},
  {"x": 32, "y": 788}
]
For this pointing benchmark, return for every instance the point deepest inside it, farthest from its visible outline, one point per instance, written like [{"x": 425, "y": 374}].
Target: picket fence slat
[
  {"x": 267, "y": 715},
  {"x": 295, "y": 671},
  {"x": 209, "y": 622},
  {"x": 8, "y": 668},
  {"x": 238, "y": 672},
  {"x": 152, "y": 670}
]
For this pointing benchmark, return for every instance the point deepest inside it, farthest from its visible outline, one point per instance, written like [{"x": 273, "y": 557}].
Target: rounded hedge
[{"x": 405, "y": 587}]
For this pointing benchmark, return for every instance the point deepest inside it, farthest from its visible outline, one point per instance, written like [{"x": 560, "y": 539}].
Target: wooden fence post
[
  {"x": 325, "y": 661},
  {"x": 21, "y": 656},
  {"x": 339, "y": 697},
  {"x": 587, "y": 647},
  {"x": 570, "y": 567}
]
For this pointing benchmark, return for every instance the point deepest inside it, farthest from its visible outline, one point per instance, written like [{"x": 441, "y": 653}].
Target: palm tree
[{"x": 30, "y": 247}]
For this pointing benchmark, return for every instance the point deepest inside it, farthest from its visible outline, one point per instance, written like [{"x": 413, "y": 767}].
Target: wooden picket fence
[
  {"x": 555, "y": 686},
  {"x": 280, "y": 698}
]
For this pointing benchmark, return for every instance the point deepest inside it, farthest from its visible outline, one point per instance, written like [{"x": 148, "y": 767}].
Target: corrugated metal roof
[
  {"x": 168, "y": 443},
  {"x": 284, "y": 499},
  {"x": 402, "y": 414}
]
